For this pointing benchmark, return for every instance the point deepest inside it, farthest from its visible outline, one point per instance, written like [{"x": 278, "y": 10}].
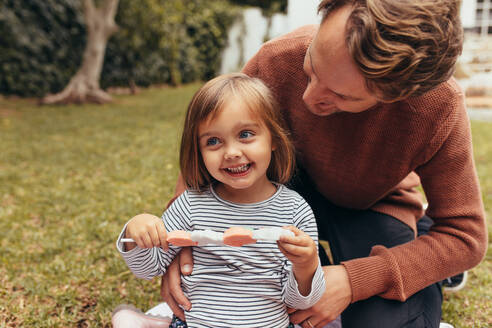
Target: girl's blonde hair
[{"x": 208, "y": 101}]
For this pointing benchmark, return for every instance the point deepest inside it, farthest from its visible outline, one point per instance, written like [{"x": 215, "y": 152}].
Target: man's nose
[
  {"x": 313, "y": 95},
  {"x": 309, "y": 95}
]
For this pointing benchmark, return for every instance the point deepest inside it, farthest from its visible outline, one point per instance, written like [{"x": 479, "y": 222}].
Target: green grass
[{"x": 71, "y": 176}]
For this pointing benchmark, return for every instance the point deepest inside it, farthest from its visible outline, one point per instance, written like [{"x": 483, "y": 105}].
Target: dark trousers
[{"x": 351, "y": 234}]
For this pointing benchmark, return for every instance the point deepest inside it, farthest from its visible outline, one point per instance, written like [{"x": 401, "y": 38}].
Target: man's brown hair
[
  {"x": 402, "y": 47},
  {"x": 209, "y": 100}
]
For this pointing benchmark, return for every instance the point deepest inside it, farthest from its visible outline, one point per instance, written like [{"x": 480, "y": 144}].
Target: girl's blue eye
[
  {"x": 212, "y": 141},
  {"x": 245, "y": 134}
]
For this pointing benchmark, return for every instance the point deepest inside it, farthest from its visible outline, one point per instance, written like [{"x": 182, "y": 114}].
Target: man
[{"x": 374, "y": 112}]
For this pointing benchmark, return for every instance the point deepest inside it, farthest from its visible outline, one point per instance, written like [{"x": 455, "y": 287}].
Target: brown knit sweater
[{"x": 375, "y": 159}]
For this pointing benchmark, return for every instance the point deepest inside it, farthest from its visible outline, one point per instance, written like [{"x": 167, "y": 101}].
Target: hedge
[{"x": 159, "y": 41}]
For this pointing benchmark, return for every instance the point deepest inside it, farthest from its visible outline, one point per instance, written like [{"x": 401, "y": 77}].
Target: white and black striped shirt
[{"x": 246, "y": 286}]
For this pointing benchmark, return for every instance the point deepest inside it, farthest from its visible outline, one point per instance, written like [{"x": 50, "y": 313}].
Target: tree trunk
[{"x": 84, "y": 85}]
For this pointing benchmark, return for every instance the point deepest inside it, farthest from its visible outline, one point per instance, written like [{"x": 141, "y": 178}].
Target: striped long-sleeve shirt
[{"x": 248, "y": 286}]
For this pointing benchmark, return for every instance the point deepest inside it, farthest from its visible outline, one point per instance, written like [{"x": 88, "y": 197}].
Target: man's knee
[{"x": 421, "y": 310}]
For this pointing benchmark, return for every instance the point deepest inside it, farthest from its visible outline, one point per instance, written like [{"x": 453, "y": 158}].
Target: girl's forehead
[{"x": 235, "y": 110}]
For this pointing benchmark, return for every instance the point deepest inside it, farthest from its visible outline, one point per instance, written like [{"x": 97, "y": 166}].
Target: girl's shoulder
[
  {"x": 190, "y": 196},
  {"x": 190, "y": 200},
  {"x": 287, "y": 194}
]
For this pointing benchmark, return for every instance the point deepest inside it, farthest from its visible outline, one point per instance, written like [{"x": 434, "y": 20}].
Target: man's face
[{"x": 334, "y": 81}]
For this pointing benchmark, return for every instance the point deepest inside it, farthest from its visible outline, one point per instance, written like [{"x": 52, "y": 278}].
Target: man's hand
[
  {"x": 335, "y": 300},
  {"x": 171, "y": 291}
]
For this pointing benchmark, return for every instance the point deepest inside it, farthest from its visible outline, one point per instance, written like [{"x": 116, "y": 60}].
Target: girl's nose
[{"x": 232, "y": 152}]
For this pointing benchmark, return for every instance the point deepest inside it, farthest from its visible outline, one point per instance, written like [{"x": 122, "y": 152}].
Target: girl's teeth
[{"x": 238, "y": 169}]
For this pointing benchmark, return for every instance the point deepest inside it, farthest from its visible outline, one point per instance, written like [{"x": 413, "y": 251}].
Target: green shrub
[
  {"x": 41, "y": 45},
  {"x": 159, "y": 41},
  {"x": 167, "y": 41}
]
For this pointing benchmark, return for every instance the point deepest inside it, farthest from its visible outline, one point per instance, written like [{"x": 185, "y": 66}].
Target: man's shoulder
[
  {"x": 295, "y": 41},
  {"x": 289, "y": 46},
  {"x": 304, "y": 33},
  {"x": 440, "y": 108},
  {"x": 444, "y": 99}
]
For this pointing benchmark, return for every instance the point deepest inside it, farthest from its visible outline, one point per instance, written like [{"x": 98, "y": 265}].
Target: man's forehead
[
  {"x": 335, "y": 69},
  {"x": 331, "y": 35}
]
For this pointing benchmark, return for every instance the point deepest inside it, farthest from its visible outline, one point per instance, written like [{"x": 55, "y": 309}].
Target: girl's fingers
[
  {"x": 147, "y": 231},
  {"x": 294, "y": 256},
  {"x": 300, "y": 237},
  {"x": 294, "y": 249},
  {"x": 161, "y": 231},
  {"x": 282, "y": 249},
  {"x": 139, "y": 241},
  {"x": 299, "y": 241},
  {"x": 295, "y": 230},
  {"x": 147, "y": 240},
  {"x": 154, "y": 236},
  {"x": 157, "y": 233}
]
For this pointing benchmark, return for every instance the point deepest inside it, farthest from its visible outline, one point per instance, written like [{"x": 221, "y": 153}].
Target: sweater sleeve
[
  {"x": 304, "y": 220},
  {"x": 147, "y": 263},
  {"x": 458, "y": 239}
]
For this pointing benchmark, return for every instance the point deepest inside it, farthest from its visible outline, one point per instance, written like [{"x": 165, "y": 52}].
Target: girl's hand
[
  {"x": 147, "y": 231},
  {"x": 301, "y": 250}
]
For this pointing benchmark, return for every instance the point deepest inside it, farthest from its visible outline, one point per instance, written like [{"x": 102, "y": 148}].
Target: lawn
[{"x": 71, "y": 176}]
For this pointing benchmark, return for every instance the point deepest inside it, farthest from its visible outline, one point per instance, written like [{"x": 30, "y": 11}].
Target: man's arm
[{"x": 334, "y": 301}]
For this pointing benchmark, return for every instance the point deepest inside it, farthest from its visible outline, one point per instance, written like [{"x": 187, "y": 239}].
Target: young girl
[{"x": 234, "y": 157}]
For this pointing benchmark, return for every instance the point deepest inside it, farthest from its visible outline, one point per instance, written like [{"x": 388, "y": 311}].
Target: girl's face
[{"x": 236, "y": 148}]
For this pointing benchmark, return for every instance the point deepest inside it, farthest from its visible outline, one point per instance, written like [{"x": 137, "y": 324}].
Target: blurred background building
[
  {"x": 474, "y": 70},
  {"x": 477, "y": 16}
]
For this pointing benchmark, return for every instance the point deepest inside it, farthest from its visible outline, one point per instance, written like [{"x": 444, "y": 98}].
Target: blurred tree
[
  {"x": 84, "y": 85},
  {"x": 267, "y": 7},
  {"x": 167, "y": 41}
]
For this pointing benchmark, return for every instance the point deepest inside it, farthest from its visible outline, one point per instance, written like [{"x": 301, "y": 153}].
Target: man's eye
[
  {"x": 245, "y": 134},
  {"x": 212, "y": 141},
  {"x": 344, "y": 98}
]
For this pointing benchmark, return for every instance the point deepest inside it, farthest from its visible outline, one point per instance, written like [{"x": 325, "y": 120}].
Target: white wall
[
  {"x": 247, "y": 34},
  {"x": 468, "y": 13}
]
